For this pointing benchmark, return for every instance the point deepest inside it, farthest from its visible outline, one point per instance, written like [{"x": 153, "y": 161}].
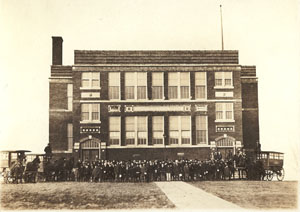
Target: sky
[{"x": 266, "y": 34}]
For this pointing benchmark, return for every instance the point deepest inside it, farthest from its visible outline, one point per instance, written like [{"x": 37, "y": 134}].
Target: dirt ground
[
  {"x": 254, "y": 194},
  {"x": 74, "y": 195}
]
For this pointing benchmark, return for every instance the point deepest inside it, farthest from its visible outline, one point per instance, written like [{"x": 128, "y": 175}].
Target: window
[
  {"x": 157, "y": 130},
  {"x": 84, "y": 112},
  {"x": 70, "y": 137},
  {"x": 114, "y": 130},
  {"x": 201, "y": 130},
  {"x": 174, "y": 129},
  {"x": 185, "y": 130},
  {"x": 136, "y": 85},
  {"x": 180, "y": 130},
  {"x": 130, "y": 130},
  {"x": 70, "y": 97},
  {"x": 200, "y": 85},
  {"x": 223, "y": 79},
  {"x": 129, "y": 85},
  {"x": 141, "y": 85},
  {"x": 179, "y": 85},
  {"x": 142, "y": 130},
  {"x": 90, "y": 80},
  {"x": 184, "y": 85},
  {"x": 136, "y": 130},
  {"x": 90, "y": 112},
  {"x": 95, "y": 112},
  {"x": 114, "y": 85},
  {"x": 173, "y": 85},
  {"x": 157, "y": 85},
  {"x": 224, "y": 111}
]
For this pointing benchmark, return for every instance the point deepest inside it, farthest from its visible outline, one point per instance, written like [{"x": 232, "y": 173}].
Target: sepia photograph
[{"x": 149, "y": 105}]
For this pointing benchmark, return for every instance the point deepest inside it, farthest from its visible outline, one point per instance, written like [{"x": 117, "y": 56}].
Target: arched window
[{"x": 225, "y": 142}]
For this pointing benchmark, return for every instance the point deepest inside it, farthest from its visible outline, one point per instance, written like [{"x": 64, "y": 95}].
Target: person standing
[{"x": 48, "y": 152}]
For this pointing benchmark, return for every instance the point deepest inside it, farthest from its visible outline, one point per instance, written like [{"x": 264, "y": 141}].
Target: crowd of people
[
  {"x": 237, "y": 166},
  {"x": 216, "y": 168}
]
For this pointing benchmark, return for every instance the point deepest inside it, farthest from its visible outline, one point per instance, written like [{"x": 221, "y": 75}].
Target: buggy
[
  {"x": 272, "y": 163},
  {"x": 8, "y": 160}
]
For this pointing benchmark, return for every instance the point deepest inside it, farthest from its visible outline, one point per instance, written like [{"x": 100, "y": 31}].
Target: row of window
[
  {"x": 136, "y": 84},
  {"x": 136, "y": 130},
  {"x": 91, "y": 112}
]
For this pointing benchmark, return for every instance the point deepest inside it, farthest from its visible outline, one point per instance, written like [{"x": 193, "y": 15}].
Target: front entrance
[
  {"x": 225, "y": 151},
  {"x": 89, "y": 154},
  {"x": 226, "y": 146},
  {"x": 90, "y": 149}
]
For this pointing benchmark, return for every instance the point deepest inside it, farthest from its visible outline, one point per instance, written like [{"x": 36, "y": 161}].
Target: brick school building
[{"x": 125, "y": 105}]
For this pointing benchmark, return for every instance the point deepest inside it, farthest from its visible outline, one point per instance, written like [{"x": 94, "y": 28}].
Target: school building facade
[{"x": 125, "y": 105}]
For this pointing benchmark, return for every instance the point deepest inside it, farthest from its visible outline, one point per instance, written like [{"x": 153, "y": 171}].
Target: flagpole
[{"x": 222, "y": 27}]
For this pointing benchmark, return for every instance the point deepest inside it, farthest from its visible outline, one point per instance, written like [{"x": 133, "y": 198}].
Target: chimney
[{"x": 57, "y": 50}]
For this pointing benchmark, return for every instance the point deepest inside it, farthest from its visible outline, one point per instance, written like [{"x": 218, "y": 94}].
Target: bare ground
[
  {"x": 73, "y": 195},
  {"x": 254, "y": 194}
]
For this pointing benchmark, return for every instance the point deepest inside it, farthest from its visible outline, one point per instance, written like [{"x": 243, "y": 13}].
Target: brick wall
[
  {"x": 58, "y": 122},
  {"x": 58, "y": 96},
  {"x": 157, "y": 153}
]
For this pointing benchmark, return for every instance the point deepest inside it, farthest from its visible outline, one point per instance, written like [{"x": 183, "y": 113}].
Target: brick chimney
[{"x": 57, "y": 50}]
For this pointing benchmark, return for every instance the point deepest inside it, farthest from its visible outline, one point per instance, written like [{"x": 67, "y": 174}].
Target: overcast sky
[{"x": 266, "y": 33}]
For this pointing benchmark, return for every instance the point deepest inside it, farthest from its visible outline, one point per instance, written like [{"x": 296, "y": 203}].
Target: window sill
[
  {"x": 228, "y": 121},
  {"x": 90, "y": 88},
  {"x": 90, "y": 122},
  {"x": 223, "y": 87}
]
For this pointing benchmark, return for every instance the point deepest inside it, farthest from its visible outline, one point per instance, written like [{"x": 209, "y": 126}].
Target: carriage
[
  {"x": 272, "y": 163},
  {"x": 8, "y": 160}
]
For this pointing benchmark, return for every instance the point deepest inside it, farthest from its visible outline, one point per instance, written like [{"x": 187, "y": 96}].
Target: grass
[
  {"x": 73, "y": 195},
  {"x": 254, "y": 194}
]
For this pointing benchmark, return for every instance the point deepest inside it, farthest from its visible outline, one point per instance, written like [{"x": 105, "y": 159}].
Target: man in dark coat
[{"x": 48, "y": 151}]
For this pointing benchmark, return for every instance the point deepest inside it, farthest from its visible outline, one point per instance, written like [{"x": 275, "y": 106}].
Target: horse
[
  {"x": 31, "y": 169},
  {"x": 16, "y": 171},
  {"x": 68, "y": 167}
]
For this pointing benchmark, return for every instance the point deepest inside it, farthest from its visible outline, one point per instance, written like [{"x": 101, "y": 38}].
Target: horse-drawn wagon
[
  {"x": 12, "y": 165},
  {"x": 272, "y": 163}
]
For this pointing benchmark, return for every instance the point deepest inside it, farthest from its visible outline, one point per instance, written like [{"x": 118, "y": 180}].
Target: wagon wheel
[
  {"x": 280, "y": 174},
  {"x": 269, "y": 174}
]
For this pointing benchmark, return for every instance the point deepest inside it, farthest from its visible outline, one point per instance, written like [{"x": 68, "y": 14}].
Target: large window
[
  {"x": 157, "y": 85},
  {"x": 129, "y": 85},
  {"x": 200, "y": 85},
  {"x": 70, "y": 137},
  {"x": 114, "y": 85},
  {"x": 142, "y": 130},
  {"x": 173, "y": 85},
  {"x": 180, "y": 130},
  {"x": 185, "y": 129},
  {"x": 90, "y": 112},
  {"x": 157, "y": 130},
  {"x": 136, "y": 85},
  {"x": 90, "y": 80},
  {"x": 130, "y": 130},
  {"x": 136, "y": 130},
  {"x": 224, "y": 112},
  {"x": 201, "y": 129},
  {"x": 179, "y": 85},
  {"x": 184, "y": 85},
  {"x": 114, "y": 130},
  {"x": 223, "y": 79},
  {"x": 141, "y": 85},
  {"x": 70, "y": 97}
]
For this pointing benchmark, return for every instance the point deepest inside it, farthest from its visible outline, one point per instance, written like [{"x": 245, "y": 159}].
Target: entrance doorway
[
  {"x": 90, "y": 149},
  {"x": 226, "y": 146},
  {"x": 90, "y": 154},
  {"x": 225, "y": 151}
]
